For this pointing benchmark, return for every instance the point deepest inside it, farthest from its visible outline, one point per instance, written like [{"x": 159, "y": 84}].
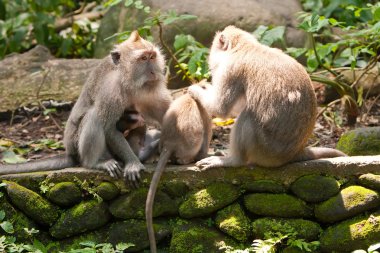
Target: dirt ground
[{"x": 23, "y": 130}]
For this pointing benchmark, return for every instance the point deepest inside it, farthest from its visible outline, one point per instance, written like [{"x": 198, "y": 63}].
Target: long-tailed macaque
[
  {"x": 132, "y": 76},
  {"x": 274, "y": 96},
  {"x": 185, "y": 138}
]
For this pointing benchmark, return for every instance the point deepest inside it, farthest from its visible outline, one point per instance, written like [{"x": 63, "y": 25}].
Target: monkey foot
[{"x": 212, "y": 162}]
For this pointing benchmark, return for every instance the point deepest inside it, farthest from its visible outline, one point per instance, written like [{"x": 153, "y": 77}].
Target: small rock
[
  {"x": 371, "y": 181},
  {"x": 360, "y": 141},
  {"x": 65, "y": 194},
  {"x": 305, "y": 229},
  {"x": 107, "y": 190},
  {"x": 349, "y": 202},
  {"x": 233, "y": 221},
  {"x": 208, "y": 200},
  {"x": 32, "y": 204},
  {"x": 277, "y": 205},
  {"x": 315, "y": 188},
  {"x": 132, "y": 206},
  {"x": 261, "y": 186},
  {"x": 86, "y": 216},
  {"x": 356, "y": 233}
]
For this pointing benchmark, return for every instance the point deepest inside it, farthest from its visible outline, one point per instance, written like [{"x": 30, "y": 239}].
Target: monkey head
[{"x": 139, "y": 60}]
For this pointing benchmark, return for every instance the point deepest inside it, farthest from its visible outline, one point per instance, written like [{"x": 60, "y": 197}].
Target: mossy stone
[
  {"x": 277, "y": 205},
  {"x": 307, "y": 230},
  {"x": 261, "y": 186},
  {"x": 371, "y": 181},
  {"x": 353, "y": 234},
  {"x": 349, "y": 202},
  {"x": 360, "y": 141},
  {"x": 233, "y": 221},
  {"x": 18, "y": 220},
  {"x": 192, "y": 238},
  {"x": 86, "y": 216},
  {"x": 107, "y": 190},
  {"x": 175, "y": 188},
  {"x": 132, "y": 205},
  {"x": 315, "y": 188},
  {"x": 65, "y": 194},
  {"x": 32, "y": 204},
  {"x": 135, "y": 232},
  {"x": 208, "y": 200}
]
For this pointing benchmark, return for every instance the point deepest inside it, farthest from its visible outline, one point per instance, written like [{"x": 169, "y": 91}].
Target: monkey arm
[{"x": 156, "y": 108}]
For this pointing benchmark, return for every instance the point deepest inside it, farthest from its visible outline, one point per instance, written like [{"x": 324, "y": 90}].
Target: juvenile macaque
[
  {"x": 185, "y": 138},
  {"x": 274, "y": 96},
  {"x": 132, "y": 76}
]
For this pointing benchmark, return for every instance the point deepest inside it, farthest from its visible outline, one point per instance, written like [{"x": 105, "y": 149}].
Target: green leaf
[
  {"x": 180, "y": 41},
  {"x": 376, "y": 14},
  {"x": 295, "y": 52},
  {"x": 260, "y": 30},
  {"x": 39, "y": 246},
  {"x": 112, "y": 3},
  {"x": 273, "y": 35},
  {"x": 2, "y": 215},
  {"x": 88, "y": 244},
  {"x": 10, "y": 157},
  {"x": 7, "y": 227},
  {"x": 376, "y": 246},
  {"x": 128, "y": 3},
  {"x": 124, "y": 246}
]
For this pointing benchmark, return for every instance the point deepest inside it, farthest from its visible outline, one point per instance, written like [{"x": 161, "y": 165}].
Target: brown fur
[{"x": 276, "y": 99}]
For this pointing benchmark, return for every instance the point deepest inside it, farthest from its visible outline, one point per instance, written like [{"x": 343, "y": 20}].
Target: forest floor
[{"x": 34, "y": 135}]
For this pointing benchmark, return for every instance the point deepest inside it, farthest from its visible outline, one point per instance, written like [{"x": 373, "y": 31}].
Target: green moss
[
  {"x": 175, "y": 188},
  {"x": 32, "y": 204},
  {"x": 107, "y": 190},
  {"x": 261, "y": 186},
  {"x": 277, "y": 205},
  {"x": 353, "y": 234},
  {"x": 349, "y": 202},
  {"x": 196, "y": 239},
  {"x": 371, "y": 181},
  {"x": 133, "y": 205},
  {"x": 233, "y": 221},
  {"x": 305, "y": 229},
  {"x": 208, "y": 200},
  {"x": 65, "y": 194},
  {"x": 315, "y": 188},
  {"x": 361, "y": 141},
  {"x": 83, "y": 217}
]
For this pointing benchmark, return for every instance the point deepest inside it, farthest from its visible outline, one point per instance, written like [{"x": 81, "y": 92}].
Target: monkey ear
[
  {"x": 115, "y": 55},
  {"x": 135, "y": 36},
  {"x": 223, "y": 42}
]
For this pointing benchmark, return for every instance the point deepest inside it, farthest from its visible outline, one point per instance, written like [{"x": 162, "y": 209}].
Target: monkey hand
[
  {"x": 211, "y": 162},
  {"x": 132, "y": 172}
]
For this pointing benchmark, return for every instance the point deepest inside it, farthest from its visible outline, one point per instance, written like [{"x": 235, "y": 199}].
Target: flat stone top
[{"x": 339, "y": 167}]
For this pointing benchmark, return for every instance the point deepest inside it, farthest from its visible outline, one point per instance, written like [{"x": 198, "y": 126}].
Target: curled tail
[
  {"x": 54, "y": 163},
  {"x": 164, "y": 157},
  {"x": 312, "y": 153}
]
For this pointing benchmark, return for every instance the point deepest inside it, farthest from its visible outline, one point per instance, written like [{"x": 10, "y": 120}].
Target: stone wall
[{"x": 334, "y": 201}]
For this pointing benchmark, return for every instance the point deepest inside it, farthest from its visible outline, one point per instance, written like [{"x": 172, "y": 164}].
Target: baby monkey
[
  {"x": 274, "y": 97},
  {"x": 185, "y": 138}
]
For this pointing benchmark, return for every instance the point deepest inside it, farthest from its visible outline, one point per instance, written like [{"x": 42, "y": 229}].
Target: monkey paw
[
  {"x": 112, "y": 167},
  {"x": 132, "y": 173},
  {"x": 211, "y": 162}
]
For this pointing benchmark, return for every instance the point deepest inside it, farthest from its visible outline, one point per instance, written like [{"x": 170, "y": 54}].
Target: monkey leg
[{"x": 92, "y": 146}]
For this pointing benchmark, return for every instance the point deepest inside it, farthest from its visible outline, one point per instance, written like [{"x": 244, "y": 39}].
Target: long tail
[
  {"x": 54, "y": 163},
  {"x": 164, "y": 157},
  {"x": 312, "y": 153}
]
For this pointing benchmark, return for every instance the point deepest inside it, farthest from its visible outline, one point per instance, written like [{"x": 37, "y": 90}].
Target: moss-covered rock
[
  {"x": 305, "y": 229},
  {"x": 135, "y": 232},
  {"x": 85, "y": 216},
  {"x": 32, "y": 204},
  {"x": 353, "y": 234},
  {"x": 175, "y": 188},
  {"x": 315, "y": 188},
  {"x": 349, "y": 202},
  {"x": 277, "y": 205},
  {"x": 192, "y": 238},
  {"x": 261, "y": 186},
  {"x": 65, "y": 194},
  {"x": 18, "y": 220},
  {"x": 107, "y": 190},
  {"x": 208, "y": 200},
  {"x": 360, "y": 141},
  {"x": 371, "y": 181},
  {"x": 233, "y": 221},
  {"x": 132, "y": 205}
]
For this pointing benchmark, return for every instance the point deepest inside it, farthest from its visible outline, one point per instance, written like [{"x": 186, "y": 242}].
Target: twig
[
  {"x": 369, "y": 66},
  {"x": 63, "y": 23},
  {"x": 319, "y": 59},
  {"x": 328, "y": 106}
]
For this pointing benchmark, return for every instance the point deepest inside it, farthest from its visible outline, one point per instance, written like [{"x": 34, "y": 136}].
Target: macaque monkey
[
  {"x": 274, "y": 96},
  {"x": 132, "y": 76},
  {"x": 185, "y": 138}
]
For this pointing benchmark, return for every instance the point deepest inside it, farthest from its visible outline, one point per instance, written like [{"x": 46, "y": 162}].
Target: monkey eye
[{"x": 144, "y": 58}]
